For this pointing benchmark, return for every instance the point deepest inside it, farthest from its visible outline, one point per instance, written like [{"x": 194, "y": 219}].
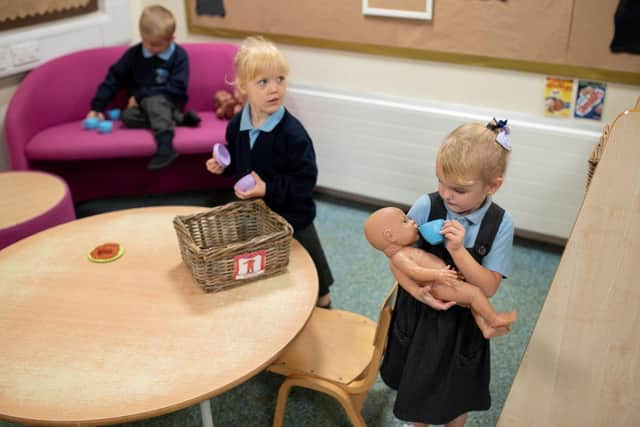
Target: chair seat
[{"x": 334, "y": 345}]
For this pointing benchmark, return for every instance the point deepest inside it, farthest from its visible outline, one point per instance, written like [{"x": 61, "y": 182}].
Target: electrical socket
[
  {"x": 5, "y": 58},
  {"x": 25, "y": 53}
]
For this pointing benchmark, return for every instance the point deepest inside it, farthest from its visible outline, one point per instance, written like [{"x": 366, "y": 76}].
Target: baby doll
[{"x": 392, "y": 232}]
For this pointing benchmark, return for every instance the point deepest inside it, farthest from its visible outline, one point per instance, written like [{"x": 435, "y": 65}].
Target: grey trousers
[{"x": 154, "y": 112}]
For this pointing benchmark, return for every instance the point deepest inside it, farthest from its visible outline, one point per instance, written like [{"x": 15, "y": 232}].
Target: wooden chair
[{"x": 338, "y": 353}]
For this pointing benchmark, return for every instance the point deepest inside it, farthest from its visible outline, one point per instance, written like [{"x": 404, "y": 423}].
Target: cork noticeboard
[{"x": 561, "y": 37}]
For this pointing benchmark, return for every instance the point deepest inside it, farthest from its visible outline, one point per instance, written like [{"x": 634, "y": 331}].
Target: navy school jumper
[{"x": 284, "y": 158}]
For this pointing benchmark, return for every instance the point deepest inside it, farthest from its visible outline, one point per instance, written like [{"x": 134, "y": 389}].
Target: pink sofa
[{"x": 44, "y": 127}]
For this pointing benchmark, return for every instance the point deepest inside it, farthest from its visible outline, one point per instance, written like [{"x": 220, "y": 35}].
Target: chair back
[{"x": 369, "y": 375}]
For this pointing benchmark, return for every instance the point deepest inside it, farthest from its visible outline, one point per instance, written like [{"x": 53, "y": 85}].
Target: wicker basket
[
  {"x": 596, "y": 154},
  {"x": 233, "y": 244}
]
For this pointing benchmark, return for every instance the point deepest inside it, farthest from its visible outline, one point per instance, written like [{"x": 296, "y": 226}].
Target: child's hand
[
  {"x": 447, "y": 275},
  {"x": 214, "y": 166},
  {"x": 454, "y": 233},
  {"x": 259, "y": 190},
  {"x": 92, "y": 113},
  {"x": 132, "y": 102}
]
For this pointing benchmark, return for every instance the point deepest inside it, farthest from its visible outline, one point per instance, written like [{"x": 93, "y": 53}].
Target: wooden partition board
[
  {"x": 582, "y": 364},
  {"x": 561, "y": 37}
]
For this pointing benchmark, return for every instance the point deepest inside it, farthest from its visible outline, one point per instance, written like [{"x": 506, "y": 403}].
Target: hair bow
[{"x": 503, "y": 133}]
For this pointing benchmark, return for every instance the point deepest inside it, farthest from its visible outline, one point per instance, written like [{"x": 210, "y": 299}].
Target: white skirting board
[{"x": 385, "y": 149}]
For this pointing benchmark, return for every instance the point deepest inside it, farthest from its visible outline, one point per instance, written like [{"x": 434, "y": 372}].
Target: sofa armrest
[{"x": 58, "y": 91}]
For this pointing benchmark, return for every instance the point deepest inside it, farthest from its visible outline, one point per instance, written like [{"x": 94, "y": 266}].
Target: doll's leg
[
  {"x": 488, "y": 331},
  {"x": 481, "y": 305},
  {"x": 464, "y": 293}
]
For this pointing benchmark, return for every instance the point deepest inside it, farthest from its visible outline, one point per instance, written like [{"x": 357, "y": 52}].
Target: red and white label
[{"x": 249, "y": 265}]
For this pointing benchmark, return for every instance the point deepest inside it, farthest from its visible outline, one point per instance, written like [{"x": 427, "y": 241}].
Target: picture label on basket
[{"x": 249, "y": 265}]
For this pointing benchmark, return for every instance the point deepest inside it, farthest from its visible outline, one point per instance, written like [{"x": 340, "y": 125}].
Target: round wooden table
[
  {"x": 31, "y": 201},
  {"x": 92, "y": 344}
]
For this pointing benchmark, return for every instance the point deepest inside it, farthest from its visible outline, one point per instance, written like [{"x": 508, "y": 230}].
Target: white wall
[
  {"x": 22, "y": 49},
  {"x": 421, "y": 80},
  {"x": 517, "y": 94}
]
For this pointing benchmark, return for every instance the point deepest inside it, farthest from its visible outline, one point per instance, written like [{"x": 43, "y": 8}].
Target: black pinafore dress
[{"x": 438, "y": 360}]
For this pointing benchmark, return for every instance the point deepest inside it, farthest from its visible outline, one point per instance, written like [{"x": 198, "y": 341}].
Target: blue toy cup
[
  {"x": 114, "y": 114},
  {"x": 431, "y": 231},
  {"x": 105, "y": 126},
  {"x": 91, "y": 123}
]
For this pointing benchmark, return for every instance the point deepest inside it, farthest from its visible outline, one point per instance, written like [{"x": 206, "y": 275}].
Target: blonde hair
[
  {"x": 471, "y": 151},
  {"x": 255, "y": 56},
  {"x": 157, "y": 22}
]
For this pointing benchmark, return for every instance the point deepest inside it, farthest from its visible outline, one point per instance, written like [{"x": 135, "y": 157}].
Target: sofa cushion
[{"x": 70, "y": 141}]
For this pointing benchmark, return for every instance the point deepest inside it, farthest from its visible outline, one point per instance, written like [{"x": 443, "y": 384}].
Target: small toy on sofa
[
  {"x": 102, "y": 126},
  {"x": 114, "y": 114},
  {"x": 227, "y": 104},
  {"x": 91, "y": 123},
  {"x": 105, "y": 126}
]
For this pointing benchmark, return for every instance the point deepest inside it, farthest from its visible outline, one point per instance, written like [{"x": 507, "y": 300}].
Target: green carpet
[{"x": 362, "y": 280}]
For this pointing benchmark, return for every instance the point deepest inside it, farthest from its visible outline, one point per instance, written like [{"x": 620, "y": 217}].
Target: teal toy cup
[
  {"x": 114, "y": 114},
  {"x": 105, "y": 126},
  {"x": 430, "y": 231},
  {"x": 91, "y": 123}
]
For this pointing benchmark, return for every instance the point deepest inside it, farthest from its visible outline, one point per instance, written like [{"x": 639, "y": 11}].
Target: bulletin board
[{"x": 556, "y": 37}]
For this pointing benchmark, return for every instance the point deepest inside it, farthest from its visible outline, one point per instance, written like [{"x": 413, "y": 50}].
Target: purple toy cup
[
  {"x": 245, "y": 183},
  {"x": 221, "y": 154},
  {"x": 431, "y": 231}
]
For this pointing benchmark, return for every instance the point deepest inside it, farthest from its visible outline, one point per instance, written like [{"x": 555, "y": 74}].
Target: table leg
[{"x": 205, "y": 413}]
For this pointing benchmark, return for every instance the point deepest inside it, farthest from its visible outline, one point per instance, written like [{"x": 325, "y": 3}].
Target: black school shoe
[
  {"x": 165, "y": 155},
  {"x": 191, "y": 119}
]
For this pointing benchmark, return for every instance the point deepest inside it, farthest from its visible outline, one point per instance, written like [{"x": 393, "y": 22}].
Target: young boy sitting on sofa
[{"x": 155, "y": 74}]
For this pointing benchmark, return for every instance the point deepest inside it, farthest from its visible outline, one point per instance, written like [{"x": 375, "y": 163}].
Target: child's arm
[
  {"x": 112, "y": 82},
  {"x": 474, "y": 273},
  {"x": 300, "y": 178}
]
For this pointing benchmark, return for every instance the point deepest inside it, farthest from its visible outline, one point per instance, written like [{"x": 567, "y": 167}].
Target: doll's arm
[
  {"x": 419, "y": 291},
  {"x": 422, "y": 272}
]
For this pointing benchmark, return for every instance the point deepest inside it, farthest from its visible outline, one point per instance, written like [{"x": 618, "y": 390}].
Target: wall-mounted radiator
[{"x": 384, "y": 149}]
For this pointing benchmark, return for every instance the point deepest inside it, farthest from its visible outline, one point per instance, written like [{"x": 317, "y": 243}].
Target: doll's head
[
  {"x": 157, "y": 27},
  {"x": 257, "y": 56},
  {"x": 388, "y": 227}
]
